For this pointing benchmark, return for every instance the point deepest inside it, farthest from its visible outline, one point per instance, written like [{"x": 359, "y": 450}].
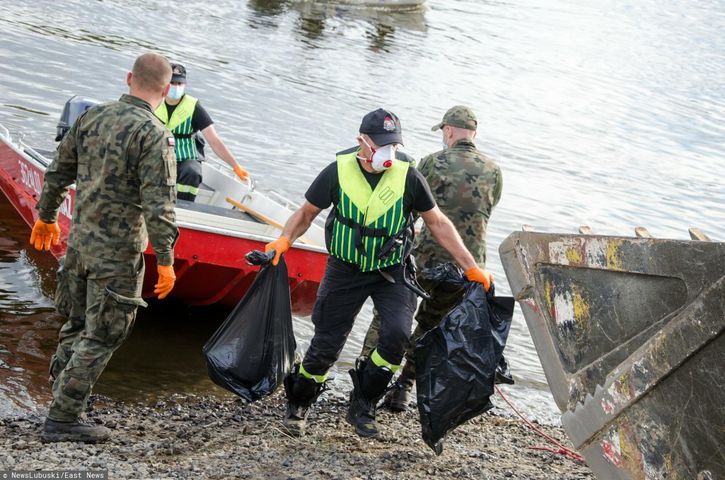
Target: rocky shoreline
[{"x": 208, "y": 437}]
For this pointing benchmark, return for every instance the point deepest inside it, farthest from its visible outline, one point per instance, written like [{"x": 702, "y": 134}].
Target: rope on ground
[{"x": 562, "y": 449}]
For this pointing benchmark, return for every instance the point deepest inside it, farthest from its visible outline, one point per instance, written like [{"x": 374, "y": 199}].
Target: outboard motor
[{"x": 72, "y": 110}]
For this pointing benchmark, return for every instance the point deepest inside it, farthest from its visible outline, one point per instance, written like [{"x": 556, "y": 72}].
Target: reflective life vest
[
  {"x": 365, "y": 221},
  {"x": 180, "y": 125}
]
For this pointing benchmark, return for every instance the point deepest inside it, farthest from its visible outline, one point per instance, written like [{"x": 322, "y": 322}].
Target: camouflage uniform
[
  {"x": 123, "y": 164},
  {"x": 467, "y": 186}
]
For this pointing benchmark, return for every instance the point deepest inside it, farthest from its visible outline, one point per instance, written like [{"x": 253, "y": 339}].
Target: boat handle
[{"x": 33, "y": 153}]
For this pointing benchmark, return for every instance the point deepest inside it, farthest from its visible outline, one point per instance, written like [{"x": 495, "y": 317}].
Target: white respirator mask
[{"x": 382, "y": 158}]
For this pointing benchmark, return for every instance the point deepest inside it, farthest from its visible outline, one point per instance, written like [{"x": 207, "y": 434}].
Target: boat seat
[{"x": 214, "y": 210}]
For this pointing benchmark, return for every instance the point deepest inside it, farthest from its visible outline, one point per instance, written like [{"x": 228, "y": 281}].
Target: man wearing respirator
[
  {"x": 184, "y": 116},
  {"x": 373, "y": 196}
]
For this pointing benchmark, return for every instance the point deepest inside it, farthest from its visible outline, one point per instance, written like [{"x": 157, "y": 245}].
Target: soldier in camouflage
[
  {"x": 467, "y": 186},
  {"x": 121, "y": 158}
]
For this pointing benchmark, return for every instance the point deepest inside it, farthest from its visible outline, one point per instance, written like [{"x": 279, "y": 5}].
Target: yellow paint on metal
[
  {"x": 582, "y": 318},
  {"x": 581, "y": 307},
  {"x": 668, "y": 466},
  {"x": 623, "y": 384},
  {"x": 574, "y": 255},
  {"x": 613, "y": 259},
  {"x": 549, "y": 302},
  {"x": 628, "y": 454}
]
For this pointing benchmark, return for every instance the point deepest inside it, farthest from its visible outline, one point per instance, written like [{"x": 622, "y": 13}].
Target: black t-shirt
[
  {"x": 325, "y": 189},
  {"x": 200, "y": 119}
]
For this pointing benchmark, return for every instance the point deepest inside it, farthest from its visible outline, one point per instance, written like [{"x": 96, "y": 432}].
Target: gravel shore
[{"x": 205, "y": 437}]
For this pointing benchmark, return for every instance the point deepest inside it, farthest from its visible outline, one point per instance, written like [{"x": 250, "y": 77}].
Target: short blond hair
[{"x": 151, "y": 71}]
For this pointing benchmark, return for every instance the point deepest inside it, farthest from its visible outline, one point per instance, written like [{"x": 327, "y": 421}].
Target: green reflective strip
[
  {"x": 349, "y": 236},
  {"x": 380, "y": 362},
  {"x": 316, "y": 378},
  {"x": 187, "y": 189},
  {"x": 343, "y": 237},
  {"x": 185, "y": 148}
]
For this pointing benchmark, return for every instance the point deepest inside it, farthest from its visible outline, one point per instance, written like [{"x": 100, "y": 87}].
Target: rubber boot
[
  {"x": 301, "y": 394},
  {"x": 398, "y": 397},
  {"x": 77, "y": 431},
  {"x": 369, "y": 383}
]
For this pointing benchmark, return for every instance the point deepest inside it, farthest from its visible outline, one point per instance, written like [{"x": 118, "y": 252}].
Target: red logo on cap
[{"x": 389, "y": 124}]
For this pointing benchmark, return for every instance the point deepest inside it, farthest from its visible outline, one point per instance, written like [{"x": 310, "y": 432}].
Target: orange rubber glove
[
  {"x": 167, "y": 278},
  {"x": 477, "y": 274},
  {"x": 280, "y": 246},
  {"x": 44, "y": 234},
  {"x": 241, "y": 173}
]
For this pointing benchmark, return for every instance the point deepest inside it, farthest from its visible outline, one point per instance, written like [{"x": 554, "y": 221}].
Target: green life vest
[
  {"x": 180, "y": 125},
  {"x": 365, "y": 219}
]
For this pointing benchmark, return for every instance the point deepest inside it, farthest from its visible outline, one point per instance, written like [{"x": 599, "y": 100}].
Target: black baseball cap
[
  {"x": 383, "y": 127},
  {"x": 178, "y": 73}
]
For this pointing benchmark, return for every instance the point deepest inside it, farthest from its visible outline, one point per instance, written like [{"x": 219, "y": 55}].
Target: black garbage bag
[
  {"x": 253, "y": 350},
  {"x": 456, "y": 362},
  {"x": 451, "y": 274}
]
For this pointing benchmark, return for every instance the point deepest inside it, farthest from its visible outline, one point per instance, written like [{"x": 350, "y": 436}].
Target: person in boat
[
  {"x": 373, "y": 196},
  {"x": 121, "y": 158},
  {"x": 467, "y": 186},
  {"x": 185, "y": 117}
]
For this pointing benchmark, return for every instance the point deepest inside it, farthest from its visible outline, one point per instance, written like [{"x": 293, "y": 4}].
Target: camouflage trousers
[
  {"x": 443, "y": 297},
  {"x": 99, "y": 297}
]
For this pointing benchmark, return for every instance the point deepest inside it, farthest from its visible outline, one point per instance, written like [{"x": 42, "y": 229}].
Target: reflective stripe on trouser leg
[
  {"x": 317, "y": 378},
  {"x": 187, "y": 189},
  {"x": 188, "y": 179},
  {"x": 380, "y": 362}
]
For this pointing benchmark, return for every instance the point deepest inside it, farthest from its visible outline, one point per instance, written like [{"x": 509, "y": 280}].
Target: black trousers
[
  {"x": 188, "y": 179},
  {"x": 340, "y": 297}
]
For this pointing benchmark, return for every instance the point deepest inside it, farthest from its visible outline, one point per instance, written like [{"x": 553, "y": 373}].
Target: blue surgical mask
[{"x": 176, "y": 92}]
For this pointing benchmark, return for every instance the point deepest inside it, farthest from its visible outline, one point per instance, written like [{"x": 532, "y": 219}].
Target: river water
[{"x": 610, "y": 114}]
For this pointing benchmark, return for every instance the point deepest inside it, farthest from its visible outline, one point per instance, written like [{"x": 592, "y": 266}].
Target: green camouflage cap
[{"x": 458, "y": 116}]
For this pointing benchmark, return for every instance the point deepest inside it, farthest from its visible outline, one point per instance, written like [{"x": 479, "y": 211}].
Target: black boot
[
  {"x": 369, "y": 383},
  {"x": 73, "y": 432},
  {"x": 301, "y": 394},
  {"x": 398, "y": 396}
]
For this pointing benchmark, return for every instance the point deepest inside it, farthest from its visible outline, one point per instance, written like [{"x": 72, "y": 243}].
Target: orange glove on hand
[
  {"x": 477, "y": 274},
  {"x": 167, "y": 277},
  {"x": 280, "y": 246},
  {"x": 44, "y": 234},
  {"x": 241, "y": 173}
]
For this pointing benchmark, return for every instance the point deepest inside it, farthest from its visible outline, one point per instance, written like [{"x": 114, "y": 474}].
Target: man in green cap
[{"x": 467, "y": 186}]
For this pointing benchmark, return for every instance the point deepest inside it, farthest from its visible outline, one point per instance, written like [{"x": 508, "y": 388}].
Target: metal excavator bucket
[{"x": 630, "y": 334}]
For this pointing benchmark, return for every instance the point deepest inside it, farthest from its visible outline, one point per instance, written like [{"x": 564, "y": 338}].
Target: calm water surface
[{"x": 599, "y": 113}]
